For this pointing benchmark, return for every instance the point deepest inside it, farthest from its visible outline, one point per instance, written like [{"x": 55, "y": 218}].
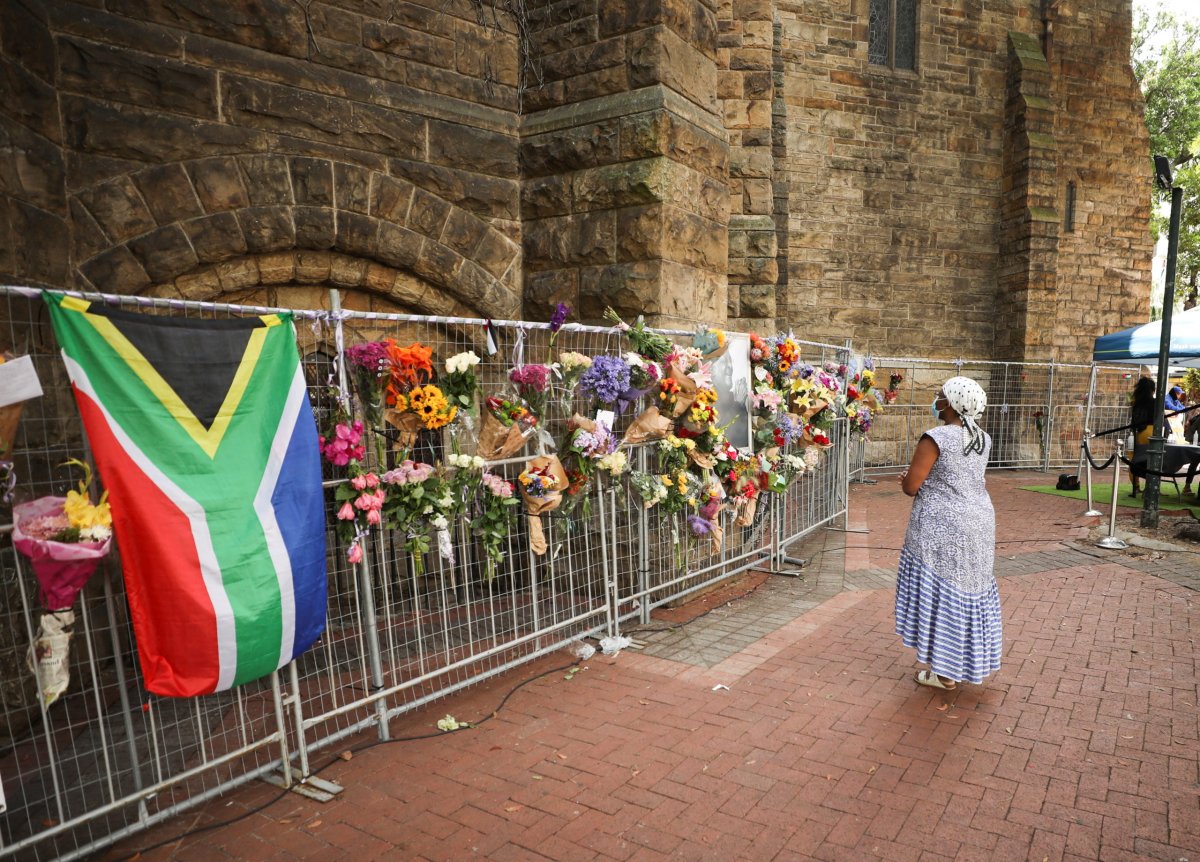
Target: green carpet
[{"x": 1102, "y": 495}]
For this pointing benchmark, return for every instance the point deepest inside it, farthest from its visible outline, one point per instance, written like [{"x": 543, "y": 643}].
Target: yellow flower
[{"x": 82, "y": 514}]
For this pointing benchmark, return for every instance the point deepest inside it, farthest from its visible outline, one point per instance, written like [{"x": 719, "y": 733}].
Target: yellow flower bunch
[
  {"x": 430, "y": 404},
  {"x": 868, "y": 379},
  {"x": 705, "y": 397},
  {"x": 79, "y": 509}
]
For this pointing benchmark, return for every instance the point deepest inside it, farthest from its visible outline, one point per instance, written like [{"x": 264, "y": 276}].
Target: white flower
[
  {"x": 428, "y": 510},
  {"x": 95, "y": 534},
  {"x": 478, "y": 463},
  {"x": 440, "y": 522},
  {"x": 614, "y": 463},
  {"x": 634, "y": 360},
  {"x": 452, "y": 459},
  {"x": 462, "y": 362}
]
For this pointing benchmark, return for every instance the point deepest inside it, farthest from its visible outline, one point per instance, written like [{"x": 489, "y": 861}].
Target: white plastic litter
[
  {"x": 720, "y": 687},
  {"x": 583, "y": 651},
  {"x": 613, "y": 645}
]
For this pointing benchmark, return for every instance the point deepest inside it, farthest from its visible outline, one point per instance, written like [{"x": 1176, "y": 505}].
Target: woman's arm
[{"x": 923, "y": 460}]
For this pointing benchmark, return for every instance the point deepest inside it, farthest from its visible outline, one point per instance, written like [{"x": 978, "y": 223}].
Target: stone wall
[
  {"x": 734, "y": 161},
  {"x": 624, "y": 160},
  {"x": 199, "y": 142}
]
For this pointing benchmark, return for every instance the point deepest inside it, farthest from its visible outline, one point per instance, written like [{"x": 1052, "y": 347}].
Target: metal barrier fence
[
  {"x": 109, "y": 759},
  {"x": 1036, "y": 413}
]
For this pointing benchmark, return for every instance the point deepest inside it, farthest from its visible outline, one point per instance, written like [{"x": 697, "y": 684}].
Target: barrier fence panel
[
  {"x": 108, "y": 758},
  {"x": 1036, "y": 412}
]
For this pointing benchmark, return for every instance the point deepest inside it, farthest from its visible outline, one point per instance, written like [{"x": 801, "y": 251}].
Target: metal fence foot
[{"x": 314, "y": 788}]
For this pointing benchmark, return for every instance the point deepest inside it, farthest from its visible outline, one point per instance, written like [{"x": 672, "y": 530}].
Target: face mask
[{"x": 933, "y": 408}]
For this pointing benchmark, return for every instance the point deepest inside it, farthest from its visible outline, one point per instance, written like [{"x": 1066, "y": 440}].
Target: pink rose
[
  {"x": 355, "y": 554},
  {"x": 346, "y": 513}
]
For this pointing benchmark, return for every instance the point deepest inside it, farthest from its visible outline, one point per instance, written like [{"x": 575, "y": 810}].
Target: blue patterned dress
[{"x": 947, "y": 604}]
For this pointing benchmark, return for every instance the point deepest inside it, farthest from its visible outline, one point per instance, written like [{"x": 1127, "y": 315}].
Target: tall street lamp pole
[{"x": 1154, "y": 452}]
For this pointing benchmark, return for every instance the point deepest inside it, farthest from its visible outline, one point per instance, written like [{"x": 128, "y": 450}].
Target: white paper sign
[{"x": 18, "y": 381}]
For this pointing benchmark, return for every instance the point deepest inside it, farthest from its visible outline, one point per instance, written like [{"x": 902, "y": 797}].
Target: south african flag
[{"x": 203, "y": 434}]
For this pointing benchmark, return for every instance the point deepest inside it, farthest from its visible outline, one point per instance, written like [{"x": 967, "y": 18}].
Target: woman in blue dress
[{"x": 947, "y": 603}]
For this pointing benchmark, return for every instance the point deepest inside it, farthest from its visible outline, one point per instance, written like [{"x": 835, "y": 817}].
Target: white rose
[
  {"x": 478, "y": 463},
  {"x": 470, "y": 360},
  {"x": 440, "y": 522}
]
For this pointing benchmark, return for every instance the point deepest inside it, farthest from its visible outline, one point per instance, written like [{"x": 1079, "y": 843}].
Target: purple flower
[
  {"x": 700, "y": 527},
  {"x": 560, "y": 316},
  {"x": 370, "y": 356},
  {"x": 789, "y": 429},
  {"x": 606, "y": 380}
]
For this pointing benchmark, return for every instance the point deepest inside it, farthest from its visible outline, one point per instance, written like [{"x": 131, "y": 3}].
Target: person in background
[
  {"x": 1174, "y": 400},
  {"x": 947, "y": 601},
  {"x": 1141, "y": 417}
]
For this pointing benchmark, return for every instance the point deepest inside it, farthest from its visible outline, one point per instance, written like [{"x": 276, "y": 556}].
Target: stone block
[
  {"x": 314, "y": 227},
  {"x": 105, "y": 129},
  {"x": 546, "y": 196},
  {"x": 203, "y": 285},
  {"x": 746, "y": 114},
  {"x": 346, "y": 271},
  {"x": 487, "y": 52},
  {"x": 277, "y": 268},
  {"x": 693, "y": 22},
  {"x": 88, "y": 239},
  {"x": 26, "y": 38},
  {"x": 659, "y": 56},
  {"x": 145, "y": 80},
  {"x": 274, "y": 26},
  {"x": 312, "y": 267},
  {"x": 116, "y": 271},
  {"x": 267, "y": 180},
  {"x": 630, "y": 288},
  {"x": 757, "y": 300},
  {"x": 757, "y": 196},
  {"x": 390, "y": 198},
  {"x": 757, "y": 85},
  {"x": 640, "y": 232},
  {"x": 665, "y": 133},
  {"x": 334, "y": 23},
  {"x": 409, "y": 43},
  {"x": 753, "y": 270},
  {"x": 118, "y": 209},
  {"x": 496, "y": 253},
  {"x": 463, "y": 232},
  {"x": 428, "y": 214},
  {"x": 694, "y": 241},
  {"x": 438, "y": 264},
  {"x": 165, "y": 253},
  {"x": 312, "y": 181},
  {"x": 40, "y": 250},
  {"x": 543, "y": 290},
  {"x": 218, "y": 184},
  {"x": 352, "y": 188},
  {"x": 488, "y": 197},
  {"x": 398, "y": 246},
  {"x": 623, "y": 184},
  {"x": 168, "y": 193},
  {"x": 357, "y": 234},
  {"x": 267, "y": 228},
  {"x": 482, "y": 151},
  {"x": 408, "y": 290},
  {"x": 29, "y": 100},
  {"x": 571, "y": 149},
  {"x": 216, "y": 237},
  {"x": 237, "y": 274}
]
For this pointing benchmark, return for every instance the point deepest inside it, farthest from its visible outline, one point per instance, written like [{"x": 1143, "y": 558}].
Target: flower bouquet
[
  {"x": 64, "y": 539},
  {"x": 571, "y": 366},
  {"x": 459, "y": 383},
  {"x": 417, "y": 498},
  {"x": 494, "y": 522},
  {"x": 643, "y": 376},
  {"x": 650, "y": 424},
  {"x": 541, "y": 483},
  {"x": 711, "y": 343},
  {"x": 650, "y": 344},
  {"x": 370, "y": 371},
  {"x": 507, "y": 427},
  {"x": 649, "y": 487},
  {"x": 685, "y": 369},
  {"x": 362, "y": 505},
  {"x": 606, "y": 380},
  {"x": 533, "y": 386}
]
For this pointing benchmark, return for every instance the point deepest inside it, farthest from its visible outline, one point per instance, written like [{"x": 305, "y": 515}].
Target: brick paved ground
[{"x": 1083, "y": 747}]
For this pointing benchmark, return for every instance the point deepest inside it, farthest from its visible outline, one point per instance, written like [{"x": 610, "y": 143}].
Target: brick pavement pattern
[{"x": 1083, "y": 747}]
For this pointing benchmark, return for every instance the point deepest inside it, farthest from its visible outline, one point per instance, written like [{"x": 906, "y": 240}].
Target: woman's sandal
[{"x": 931, "y": 679}]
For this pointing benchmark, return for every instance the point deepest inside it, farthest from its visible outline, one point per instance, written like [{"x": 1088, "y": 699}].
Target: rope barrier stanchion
[
  {"x": 1092, "y": 511},
  {"x": 1111, "y": 541}
]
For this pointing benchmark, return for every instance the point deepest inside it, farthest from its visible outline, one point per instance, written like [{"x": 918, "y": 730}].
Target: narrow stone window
[
  {"x": 892, "y": 34},
  {"x": 1069, "y": 219}
]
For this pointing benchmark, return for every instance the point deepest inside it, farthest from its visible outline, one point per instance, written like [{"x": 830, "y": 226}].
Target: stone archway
[{"x": 225, "y": 223}]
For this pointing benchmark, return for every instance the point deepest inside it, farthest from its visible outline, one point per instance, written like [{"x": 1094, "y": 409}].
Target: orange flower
[{"x": 410, "y": 365}]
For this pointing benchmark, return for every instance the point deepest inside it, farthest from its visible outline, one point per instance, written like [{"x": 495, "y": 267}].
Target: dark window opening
[
  {"x": 892, "y": 34},
  {"x": 1069, "y": 219}
]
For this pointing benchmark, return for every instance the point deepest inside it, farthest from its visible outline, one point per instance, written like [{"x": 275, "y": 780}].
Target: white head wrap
[{"x": 968, "y": 400}]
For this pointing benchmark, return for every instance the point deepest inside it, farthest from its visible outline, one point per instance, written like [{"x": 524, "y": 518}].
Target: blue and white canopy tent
[{"x": 1138, "y": 345}]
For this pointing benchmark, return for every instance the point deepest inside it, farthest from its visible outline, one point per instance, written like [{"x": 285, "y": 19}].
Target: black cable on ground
[{"x": 338, "y": 759}]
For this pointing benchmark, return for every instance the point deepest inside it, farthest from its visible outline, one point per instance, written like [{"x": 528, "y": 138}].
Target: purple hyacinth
[
  {"x": 606, "y": 379},
  {"x": 561, "y": 311},
  {"x": 789, "y": 429}
]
